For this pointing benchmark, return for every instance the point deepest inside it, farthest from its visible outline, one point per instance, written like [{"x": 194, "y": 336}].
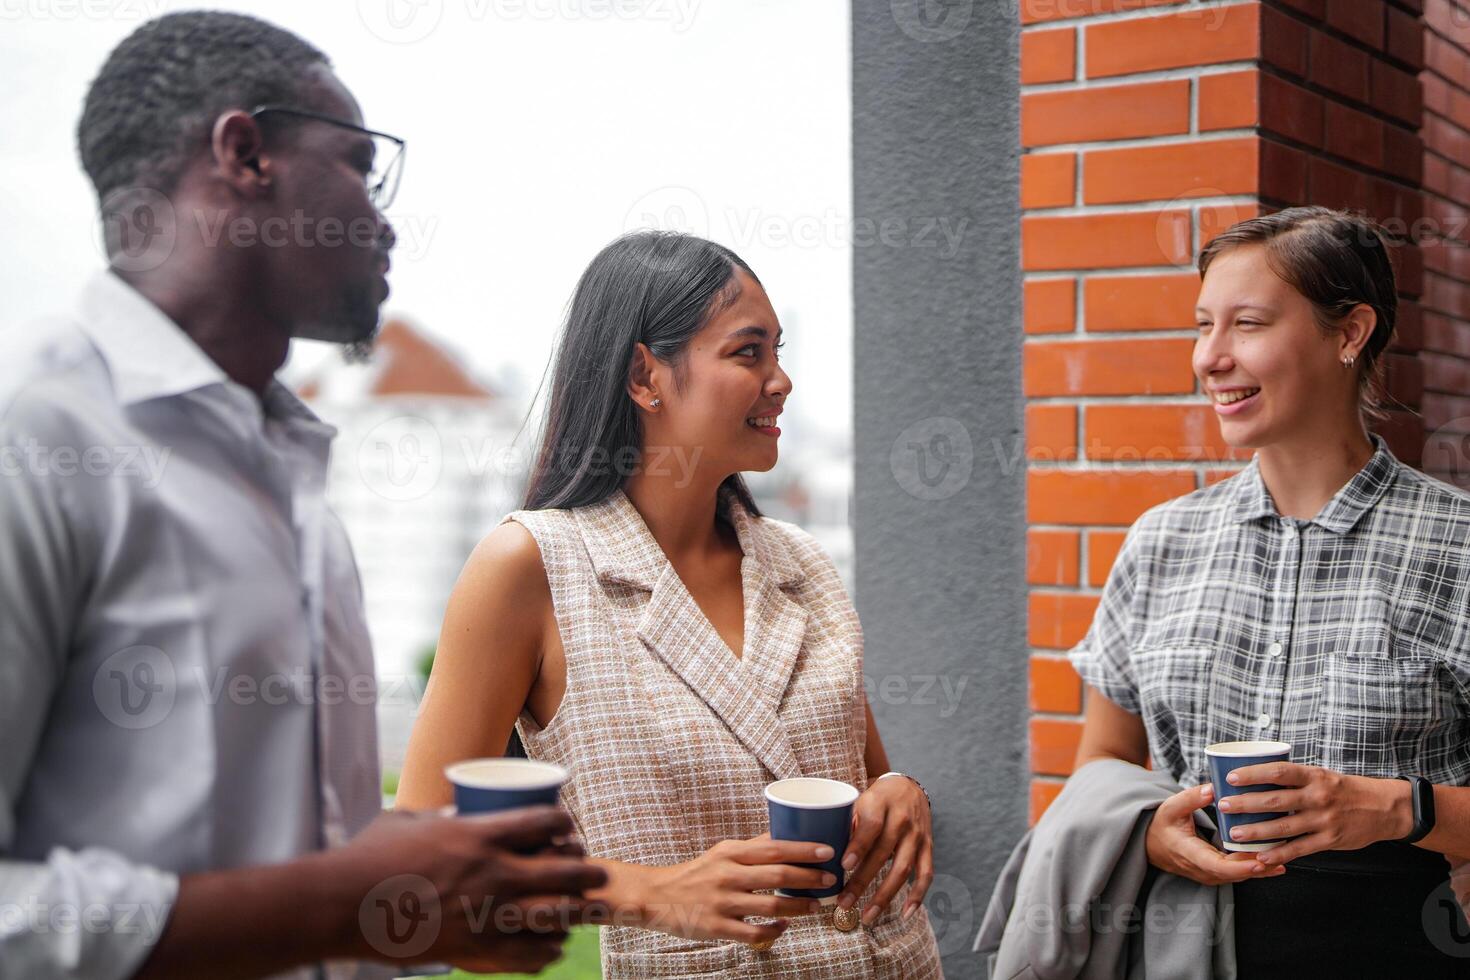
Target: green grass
[{"x": 580, "y": 960}]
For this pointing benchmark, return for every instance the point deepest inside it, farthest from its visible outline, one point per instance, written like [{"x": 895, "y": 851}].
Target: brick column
[
  {"x": 1149, "y": 126},
  {"x": 1446, "y": 333}
]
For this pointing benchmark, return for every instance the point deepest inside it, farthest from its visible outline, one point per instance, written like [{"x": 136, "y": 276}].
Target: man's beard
[
  {"x": 344, "y": 328},
  {"x": 361, "y": 351}
]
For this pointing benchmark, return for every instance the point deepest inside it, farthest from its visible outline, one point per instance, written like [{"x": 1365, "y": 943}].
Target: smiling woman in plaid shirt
[{"x": 1321, "y": 597}]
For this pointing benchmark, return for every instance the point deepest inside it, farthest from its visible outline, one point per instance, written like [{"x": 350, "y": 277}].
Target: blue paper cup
[
  {"x": 492, "y": 785},
  {"x": 817, "y": 811},
  {"x": 1225, "y": 758}
]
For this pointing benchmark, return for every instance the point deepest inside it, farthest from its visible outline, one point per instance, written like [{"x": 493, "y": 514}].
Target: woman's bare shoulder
[{"x": 504, "y": 574}]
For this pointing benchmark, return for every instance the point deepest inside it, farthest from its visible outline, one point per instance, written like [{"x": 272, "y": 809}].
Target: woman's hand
[
  {"x": 890, "y": 820},
  {"x": 1174, "y": 846},
  {"x": 1333, "y": 811},
  {"x": 710, "y": 896}
]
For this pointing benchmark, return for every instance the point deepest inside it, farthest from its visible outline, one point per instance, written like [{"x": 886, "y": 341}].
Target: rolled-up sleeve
[
  {"x": 88, "y": 913},
  {"x": 1102, "y": 657}
]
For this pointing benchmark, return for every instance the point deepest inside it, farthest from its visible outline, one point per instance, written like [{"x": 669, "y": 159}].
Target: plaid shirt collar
[{"x": 1253, "y": 501}]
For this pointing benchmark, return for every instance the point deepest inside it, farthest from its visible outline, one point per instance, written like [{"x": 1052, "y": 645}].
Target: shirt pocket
[
  {"x": 1384, "y": 705},
  {"x": 1174, "y": 700}
]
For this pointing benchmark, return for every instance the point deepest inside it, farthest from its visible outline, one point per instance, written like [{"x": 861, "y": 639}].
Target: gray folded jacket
[{"x": 1070, "y": 902}]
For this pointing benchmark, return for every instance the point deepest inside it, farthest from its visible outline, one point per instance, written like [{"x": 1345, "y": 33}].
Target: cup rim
[
  {"x": 1233, "y": 750},
  {"x": 847, "y": 788},
  {"x": 556, "y": 775}
]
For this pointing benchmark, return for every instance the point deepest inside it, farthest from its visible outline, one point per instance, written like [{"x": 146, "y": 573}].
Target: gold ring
[{"x": 761, "y": 945}]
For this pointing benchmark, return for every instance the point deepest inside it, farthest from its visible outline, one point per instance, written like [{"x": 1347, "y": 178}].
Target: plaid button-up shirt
[{"x": 1347, "y": 636}]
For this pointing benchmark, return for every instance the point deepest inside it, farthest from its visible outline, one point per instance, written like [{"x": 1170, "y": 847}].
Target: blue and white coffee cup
[
  {"x": 1225, "y": 758},
  {"x": 817, "y": 811},
  {"x": 492, "y": 785}
]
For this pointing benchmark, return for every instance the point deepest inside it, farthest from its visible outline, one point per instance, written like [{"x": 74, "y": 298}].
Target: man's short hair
[{"x": 152, "y": 107}]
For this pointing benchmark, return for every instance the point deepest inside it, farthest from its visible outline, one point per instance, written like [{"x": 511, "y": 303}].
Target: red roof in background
[{"x": 405, "y": 362}]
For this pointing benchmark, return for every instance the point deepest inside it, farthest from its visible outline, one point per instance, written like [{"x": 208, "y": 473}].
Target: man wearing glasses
[{"x": 188, "y": 759}]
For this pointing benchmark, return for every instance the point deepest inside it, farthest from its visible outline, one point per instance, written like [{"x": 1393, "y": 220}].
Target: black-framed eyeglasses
[{"x": 388, "y": 151}]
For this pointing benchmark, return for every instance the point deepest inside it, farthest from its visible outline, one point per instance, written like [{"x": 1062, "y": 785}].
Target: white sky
[{"x": 537, "y": 131}]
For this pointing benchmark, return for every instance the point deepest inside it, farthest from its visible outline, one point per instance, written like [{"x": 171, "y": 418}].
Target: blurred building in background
[{"x": 423, "y": 466}]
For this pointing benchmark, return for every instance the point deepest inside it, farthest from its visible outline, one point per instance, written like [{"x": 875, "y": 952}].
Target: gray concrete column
[{"x": 940, "y": 518}]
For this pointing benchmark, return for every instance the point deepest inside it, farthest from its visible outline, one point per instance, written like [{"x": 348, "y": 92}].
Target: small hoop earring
[
  {"x": 655, "y": 403},
  {"x": 1349, "y": 361}
]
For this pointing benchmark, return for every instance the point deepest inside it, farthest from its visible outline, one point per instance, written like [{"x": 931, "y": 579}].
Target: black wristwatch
[{"x": 1422, "y": 792}]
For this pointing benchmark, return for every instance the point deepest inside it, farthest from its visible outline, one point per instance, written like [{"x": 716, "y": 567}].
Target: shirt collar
[
  {"x": 1343, "y": 511},
  {"x": 149, "y": 356},
  {"x": 146, "y": 353},
  {"x": 281, "y": 403}
]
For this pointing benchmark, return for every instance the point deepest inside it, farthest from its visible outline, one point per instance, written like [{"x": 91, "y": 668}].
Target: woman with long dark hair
[
  {"x": 1320, "y": 598},
  {"x": 642, "y": 624}
]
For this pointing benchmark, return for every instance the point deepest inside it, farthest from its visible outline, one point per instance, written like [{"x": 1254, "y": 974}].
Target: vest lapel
[
  {"x": 775, "y": 624},
  {"x": 746, "y": 692},
  {"x": 678, "y": 633}
]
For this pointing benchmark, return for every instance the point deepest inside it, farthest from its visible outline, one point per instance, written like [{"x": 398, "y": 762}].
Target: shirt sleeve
[
  {"x": 1102, "y": 657},
  {"x": 89, "y": 913}
]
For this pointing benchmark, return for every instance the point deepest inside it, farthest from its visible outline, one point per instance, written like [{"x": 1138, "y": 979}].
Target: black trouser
[{"x": 1385, "y": 911}]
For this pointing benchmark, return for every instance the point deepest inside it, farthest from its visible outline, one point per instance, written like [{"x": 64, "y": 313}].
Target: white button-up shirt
[{"x": 186, "y": 681}]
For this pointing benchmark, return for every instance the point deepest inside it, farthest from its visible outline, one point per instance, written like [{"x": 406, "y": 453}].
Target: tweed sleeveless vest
[{"x": 671, "y": 739}]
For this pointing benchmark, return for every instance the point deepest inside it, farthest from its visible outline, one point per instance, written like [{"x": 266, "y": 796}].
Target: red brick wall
[{"x": 1148, "y": 126}]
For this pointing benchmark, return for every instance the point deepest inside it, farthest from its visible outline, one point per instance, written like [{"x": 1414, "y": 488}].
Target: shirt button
[
  {"x": 1274, "y": 650},
  {"x": 1264, "y": 721}
]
